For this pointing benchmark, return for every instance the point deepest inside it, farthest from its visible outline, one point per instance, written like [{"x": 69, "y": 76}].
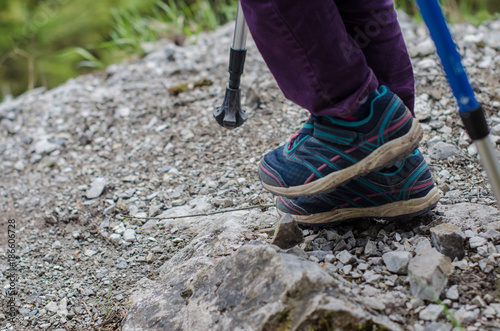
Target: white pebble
[
  {"x": 129, "y": 235},
  {"x": 90, "y": 252},
  {"x": 452, "y": 292},
  {"x": 477, "y": 241},
  {"x": 115, "y": 237}
]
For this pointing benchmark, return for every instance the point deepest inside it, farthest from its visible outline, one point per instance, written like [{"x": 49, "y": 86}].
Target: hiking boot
[
  {"x": 329, "y": 151},
  {"x": 401, "y": 191}
]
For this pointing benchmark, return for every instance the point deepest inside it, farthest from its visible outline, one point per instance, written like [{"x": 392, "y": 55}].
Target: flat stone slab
[
  {"x": 259, "y": 287},
  {"x": 467, "y": 215},
  {"x": 217, "y": 282}
]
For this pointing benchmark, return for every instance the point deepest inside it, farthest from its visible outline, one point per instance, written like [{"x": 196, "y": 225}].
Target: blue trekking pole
[{"x": 470, "y": 109}]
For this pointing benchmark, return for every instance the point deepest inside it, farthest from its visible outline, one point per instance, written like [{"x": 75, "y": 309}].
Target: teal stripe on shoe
[
  {"x": 386, "y": 119},
  {"x": 412, "y": 178},
  {"x": 371, "y": 144},
  {"x": 366, "y": 147},
  {"x": 362, "y": 196},
  {"x": 313, "y": 169},
  {"x": 331, "y": 165},
  {"x": 376, "y": 189},
  {"x": 342, "y": 154},
  {"x": 332, "y": 138},
  {"x": 295, "y": 145}
]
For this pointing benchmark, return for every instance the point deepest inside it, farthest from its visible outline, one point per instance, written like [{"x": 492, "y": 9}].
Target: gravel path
[{"x": 86, "y": 165}]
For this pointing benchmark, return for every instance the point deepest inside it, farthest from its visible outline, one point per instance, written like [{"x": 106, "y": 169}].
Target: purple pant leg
[
  {"x": 314, "y": 60},
  {"x": 373, "y": 25}
]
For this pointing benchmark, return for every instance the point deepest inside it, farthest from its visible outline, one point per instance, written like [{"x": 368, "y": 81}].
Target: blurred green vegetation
[
  {"x": 45, "y": 42},
  {"x": 458, "y": 11}
]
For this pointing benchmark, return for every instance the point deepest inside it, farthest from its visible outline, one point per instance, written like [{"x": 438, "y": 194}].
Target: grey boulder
[
  {"x": 259, "y": 287},
  {"x": 429, "y": 272}
]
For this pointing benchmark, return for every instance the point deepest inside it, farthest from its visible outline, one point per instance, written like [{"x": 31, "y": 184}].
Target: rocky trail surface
[{"x": 101, "y": 174}]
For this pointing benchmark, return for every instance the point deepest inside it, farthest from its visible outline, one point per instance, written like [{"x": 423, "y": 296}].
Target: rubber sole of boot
[
  {"x": 384, "y": 156},
  {"x": 395, "y": 210}
]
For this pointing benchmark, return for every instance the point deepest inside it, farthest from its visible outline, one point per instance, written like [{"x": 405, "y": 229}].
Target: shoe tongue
[{"x": 308, "y": 127}]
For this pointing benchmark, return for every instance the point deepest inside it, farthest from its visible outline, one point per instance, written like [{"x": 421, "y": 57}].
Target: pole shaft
[
  {"x": 489, "y": 160},
  {"x": 447, "y": 51},
  {"x": 240, "y": 30}
]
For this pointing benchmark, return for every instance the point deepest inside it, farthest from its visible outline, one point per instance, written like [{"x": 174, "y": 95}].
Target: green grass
[
  {"x": 35, "y": 33},
  {"x": 45, "y": 42},
  {"x": 175, "y": 20},
  {"x": 458, "y": 11},
  {"x": 450, "y": 316}
]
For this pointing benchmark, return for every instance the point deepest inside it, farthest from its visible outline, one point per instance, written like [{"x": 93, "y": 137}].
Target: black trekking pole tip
[{"x": 230, "y": 115}]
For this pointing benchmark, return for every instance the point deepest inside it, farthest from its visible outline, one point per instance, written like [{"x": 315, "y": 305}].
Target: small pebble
[
  {"x": 477, "y": 241},
  {"x": 452, "y": 292},
  {"x": 177, "y": 240}
]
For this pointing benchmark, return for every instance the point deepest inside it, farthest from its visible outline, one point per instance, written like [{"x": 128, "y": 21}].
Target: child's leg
[
  {"x": 316, "y": 63},
  {"x": 374, "y": 26},
  {"x": 356, "y": 126}
]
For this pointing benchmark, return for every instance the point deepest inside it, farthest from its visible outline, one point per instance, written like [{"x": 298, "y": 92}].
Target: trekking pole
[
  {"x": 230, "y": 115},
  {"x": 470, "y": 109}
]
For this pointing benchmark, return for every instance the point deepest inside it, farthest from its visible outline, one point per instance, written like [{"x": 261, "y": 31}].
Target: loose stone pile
[
  {"x": 399, "y": 260},
  {"x": 95, "y": 171}
]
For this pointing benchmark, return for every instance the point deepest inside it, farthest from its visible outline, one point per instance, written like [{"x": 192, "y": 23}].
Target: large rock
[
  {"x": 287, "y": 233},
  {"x": 449, "y": 240},
  {"x": 429, "y": 272},
  {"x": 257, "y": 288},
  {"x": 473, "y": 216},
  {"x": 216, "y": 283}
]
